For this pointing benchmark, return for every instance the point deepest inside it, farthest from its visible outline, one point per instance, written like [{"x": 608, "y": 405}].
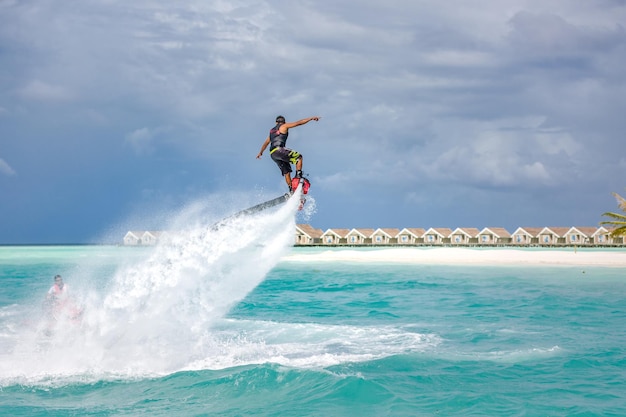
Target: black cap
[{"x": 280, "y": 119}]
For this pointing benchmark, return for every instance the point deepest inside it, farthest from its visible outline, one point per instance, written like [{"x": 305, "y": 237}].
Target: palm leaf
[
  {"x": 620, "y": 231},
  {"x": 621, "y": 202},
  {"x": 619, "y": 220},
  {"x": 616, "y": 216}
]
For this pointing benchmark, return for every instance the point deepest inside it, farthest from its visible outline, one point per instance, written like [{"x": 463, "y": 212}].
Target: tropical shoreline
[
  {"x": 467, "y": 256},
  {"x": 425, "y": 255}
]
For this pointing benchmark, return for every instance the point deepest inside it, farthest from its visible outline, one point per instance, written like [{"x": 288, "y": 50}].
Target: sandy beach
[{"x": 467, "y": 256}]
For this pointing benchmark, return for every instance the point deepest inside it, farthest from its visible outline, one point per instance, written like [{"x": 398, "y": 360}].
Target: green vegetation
[{"x": 618, "y": 220}]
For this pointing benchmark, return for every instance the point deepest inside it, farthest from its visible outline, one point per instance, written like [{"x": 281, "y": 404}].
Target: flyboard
[
  {"x": 305, "y": 189},
  {"x": 273, "y": 202}
]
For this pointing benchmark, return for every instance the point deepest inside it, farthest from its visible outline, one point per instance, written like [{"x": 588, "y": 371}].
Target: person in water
[
  {"x": 283, "y": 156},
  {"x": 58, "y": 292},
  {"x": 58, "y": 302}
]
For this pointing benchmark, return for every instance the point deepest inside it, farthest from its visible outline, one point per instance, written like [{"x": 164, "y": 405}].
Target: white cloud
[
  {"x": 459, "y": 58},
  {"x": 145, "y": 140},
  {"x": 536, "y": 171},
  {"x": 6, "y": 169},
  {"x": 517, "y": 153},
  {"x": 522, "y": 94},
  {"x": 552, "y": 35},
  {"x": 141, "y": 140},
  {"x": 555, "y": 143},
  {"x": 41, "y": 91}
]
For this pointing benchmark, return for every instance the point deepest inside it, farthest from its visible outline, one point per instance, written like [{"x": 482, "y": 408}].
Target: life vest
[
  {"x": 57, "y": 291},
  {"x": 277, "y": 139}
]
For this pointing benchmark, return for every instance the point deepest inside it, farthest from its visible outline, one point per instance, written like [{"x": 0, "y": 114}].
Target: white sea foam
[
  {"x": 306, "y": 345},
  {"x": 521, "y": 355}
]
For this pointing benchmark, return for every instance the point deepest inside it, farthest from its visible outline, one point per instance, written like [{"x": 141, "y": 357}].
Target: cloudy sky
[{"x": 434, "y": 113}]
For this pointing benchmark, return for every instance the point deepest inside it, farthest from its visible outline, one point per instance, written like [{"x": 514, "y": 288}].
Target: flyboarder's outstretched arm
[{"x": 286, "y": 126}]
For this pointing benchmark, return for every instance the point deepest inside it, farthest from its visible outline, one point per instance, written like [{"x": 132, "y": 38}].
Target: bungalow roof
[
  {"x": 441, "y": 231},
  {"x": 415, "y": 231},
  {"x": 496, "y": 231},
  {"x": 467, "y": 231},
  {"x": 363, "y": 232},
  {"x": 136, "y": 233},
  {"x": 558, "y": 231},
  {"x": 530, "y": 231},
  {"x": 586, "y": 231},
  {"x": 337, "y": 232},
  {"x": 601, "y": 230},
  {"x": 309, "y": 230},
  {"x": 389, "y": 232}
]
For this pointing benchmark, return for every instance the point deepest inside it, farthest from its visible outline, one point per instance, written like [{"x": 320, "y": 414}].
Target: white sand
[{"x": 467, "y": 256}]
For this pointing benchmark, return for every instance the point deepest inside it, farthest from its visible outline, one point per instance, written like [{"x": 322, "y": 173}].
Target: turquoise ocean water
[{"x": 221, "y": 323}]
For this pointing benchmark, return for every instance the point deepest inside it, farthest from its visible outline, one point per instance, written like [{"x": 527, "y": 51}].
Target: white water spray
[
  {"x": 155, "y": 315},
  {"x": 166, "y": 309}
]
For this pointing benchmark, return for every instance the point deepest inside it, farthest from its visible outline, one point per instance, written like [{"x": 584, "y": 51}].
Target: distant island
[{"x": 306, "y": 235}]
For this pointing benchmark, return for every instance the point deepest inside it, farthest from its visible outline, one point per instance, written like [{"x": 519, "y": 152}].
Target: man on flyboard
[{"x": 284, "y": 156}]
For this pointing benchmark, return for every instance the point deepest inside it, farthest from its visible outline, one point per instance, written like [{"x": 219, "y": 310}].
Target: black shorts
[{"x": 284, "y": 157}]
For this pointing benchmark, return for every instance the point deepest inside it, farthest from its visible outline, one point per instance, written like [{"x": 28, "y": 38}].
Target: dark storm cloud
[{"x": 419, "y": 101}]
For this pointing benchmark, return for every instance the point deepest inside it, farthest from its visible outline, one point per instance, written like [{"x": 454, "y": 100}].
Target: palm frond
[
  {"x": 619, "y": 227},
  {"x": 621, "y": 202},
  {"x": 616, "y": 216},
  {"x": 620, "y": 231},
  {"x": 614, "y": 225},
  {"x": 619, "y": 220}
]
